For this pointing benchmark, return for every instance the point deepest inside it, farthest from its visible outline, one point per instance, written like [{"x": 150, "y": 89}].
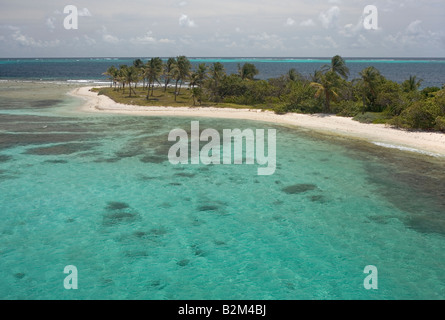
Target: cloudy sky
[{"x": 222, "y": 28}]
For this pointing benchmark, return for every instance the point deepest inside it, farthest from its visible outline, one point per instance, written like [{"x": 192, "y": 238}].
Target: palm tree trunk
[
  {"x": 328, "y": 101},
  {"x": 176, "y": 89},
  {"x": 179, "y": 92},
  {"x": 364, "y": 104}
]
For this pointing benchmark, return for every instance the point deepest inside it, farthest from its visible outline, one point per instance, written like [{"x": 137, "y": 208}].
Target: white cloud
[
  {"x": 166, "y": 41},
  {"x": 322, "y": 42},
  {"x": 361, "y": 43},
  {"x": 84, "y": 13},
  {"x": 290, "y": 22},
  {"x": 27, "y": 41},
  {"x": 145, "y": 39},
  {"x": 110, "y": 39},
  {"x": 23, "y": 40},
  {"x": 9, "y": 27},
  {"x": 148, "y": 38},
  {"x": 415, "y": 27},
  {"x": 329, "y": 18},
  {"x": 416, "y": 37},
  {"x": 352, "y": 30},
  {"x": 107, "y": 37},
  {"x": 50, "y": 23},
  {"x": 88, "y": 40},
  {"x": 267, "y": 41},
  {"x": 307, "y": 23},
  {"x": 185, "y": 21}
]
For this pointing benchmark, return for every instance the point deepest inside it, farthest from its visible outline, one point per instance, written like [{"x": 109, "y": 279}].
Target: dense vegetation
[{"x": 370, "y": 98}]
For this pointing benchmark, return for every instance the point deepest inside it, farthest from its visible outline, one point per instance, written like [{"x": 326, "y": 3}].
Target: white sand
[{"x": 431, "y": 143}]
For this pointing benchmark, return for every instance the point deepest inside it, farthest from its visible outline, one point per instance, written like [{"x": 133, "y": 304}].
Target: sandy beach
[{"x": 426, "y": 142}]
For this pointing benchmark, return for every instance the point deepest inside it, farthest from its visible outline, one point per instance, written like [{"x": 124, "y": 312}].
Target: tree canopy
[{"x": 370, "y": 97}]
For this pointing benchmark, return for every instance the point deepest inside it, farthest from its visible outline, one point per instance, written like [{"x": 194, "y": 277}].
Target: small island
[{"x": 371, "y": 98}]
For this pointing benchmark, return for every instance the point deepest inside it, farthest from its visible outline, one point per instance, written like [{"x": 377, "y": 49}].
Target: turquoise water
[{"x": 97, "y": 192}]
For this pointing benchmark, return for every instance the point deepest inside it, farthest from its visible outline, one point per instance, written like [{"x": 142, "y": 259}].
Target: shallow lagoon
[{"x": 96, "y": 191}]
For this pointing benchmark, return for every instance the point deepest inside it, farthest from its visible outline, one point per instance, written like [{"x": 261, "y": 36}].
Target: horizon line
[{"x": 222, "y": 57}]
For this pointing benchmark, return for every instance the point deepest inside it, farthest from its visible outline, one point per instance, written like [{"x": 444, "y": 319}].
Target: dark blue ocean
[{"x": 432, "y": 71}]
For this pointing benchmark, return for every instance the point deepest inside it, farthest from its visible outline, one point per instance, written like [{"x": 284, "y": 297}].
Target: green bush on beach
[{"x": 371, "y": 98}]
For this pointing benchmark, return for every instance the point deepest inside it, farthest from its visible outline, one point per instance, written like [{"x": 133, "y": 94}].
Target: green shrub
[
  {"x": 372, "y": 117},
  {"x": 347, "y": 108},
  {"x": 440, "y": 124},
  {"x": 391, "y": 97},
  {"x": 420, "y": 115},
  {"x": 280, "y": 109},
  {"x": 301, "y": 98},
  {"x": 429, "y": 92},
  {"x": 102, "y": 92},
  {"x": 439, "y": 99}
]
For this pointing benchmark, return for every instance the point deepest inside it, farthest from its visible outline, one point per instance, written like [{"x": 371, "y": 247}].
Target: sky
[{"x": 211, "y": 28}]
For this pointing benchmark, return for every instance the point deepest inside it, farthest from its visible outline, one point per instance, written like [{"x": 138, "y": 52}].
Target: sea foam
[{"x": 402, "y": 148}]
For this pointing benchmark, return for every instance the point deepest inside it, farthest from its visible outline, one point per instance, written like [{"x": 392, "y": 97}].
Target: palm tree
[
  {"x": 146, "y": 75},
  {"x": 370, "y": 79},
  {"x": 112, "y": 72},
  {"x": 327, "y": 87},
  {"x": 316, "y": 76},
  {"x": 184, "y": 67},
  {"x": 201, "y": 74},
  {"x": 247, "y": 71},
  {"x": 175, "y": 74},
  {"x": 121, "y": 77},
  {"x": 216, "y": 74},
  {"x": 139, "y": 65},
  {"x": 152, "y": 71},
  {"x": 131, "y": 75},
  {"x": 293, "y": 75},
  {"x": 196, "y": 94},
  {"x": 193, "y": 79},
  {"x": 169, "y": 66},
  {"x": 412, "y": 84},
  {"x": 197, "y": 78},
  {"x": 338, "y": 65}
]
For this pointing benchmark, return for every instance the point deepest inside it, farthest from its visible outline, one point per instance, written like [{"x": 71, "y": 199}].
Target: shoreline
[{"x": 429, "y": 143}]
